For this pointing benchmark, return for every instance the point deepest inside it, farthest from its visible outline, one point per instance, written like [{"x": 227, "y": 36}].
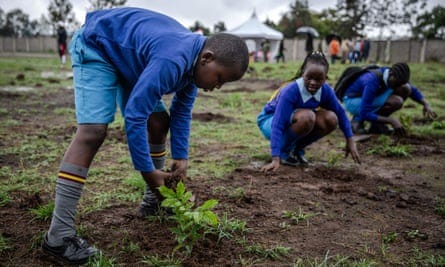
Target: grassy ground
[{"x": 29, "y": 160}]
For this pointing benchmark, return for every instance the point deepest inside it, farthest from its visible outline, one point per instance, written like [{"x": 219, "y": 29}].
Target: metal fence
[{"x": 381, "y": 51}]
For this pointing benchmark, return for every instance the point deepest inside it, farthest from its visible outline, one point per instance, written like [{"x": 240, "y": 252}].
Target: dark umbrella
[
  {"x": 331, "y": 36},
  {"x": 309, "y": 30}
]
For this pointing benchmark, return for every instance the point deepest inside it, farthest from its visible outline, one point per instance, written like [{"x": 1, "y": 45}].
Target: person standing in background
[
  {"x": 309, "y": 44},
  {"x": 280, "y": 54},
  {"x": 365, "y": 49},
  {"x": 334, "y": 49},
  {"x": 265, "y": 46},
  {"x": 61, "y": 43}
]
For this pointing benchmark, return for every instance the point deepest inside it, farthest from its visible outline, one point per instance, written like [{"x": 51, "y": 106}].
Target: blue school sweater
[
  {"x": 367, "y": 86},
  {"x": 295, "y": 96},
  {"x": 154, "y": 55}
]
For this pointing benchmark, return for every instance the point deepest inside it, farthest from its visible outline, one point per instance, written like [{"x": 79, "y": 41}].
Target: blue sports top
[
  {"x": 367, "y": 85},
  {"x": 293, "y": 96},
  {"x": 154, "y": 55}
]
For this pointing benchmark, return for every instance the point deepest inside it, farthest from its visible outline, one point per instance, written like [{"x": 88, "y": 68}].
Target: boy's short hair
[
  {"x": 401, "y": 72},
  {"x": 229, "y": 50}
]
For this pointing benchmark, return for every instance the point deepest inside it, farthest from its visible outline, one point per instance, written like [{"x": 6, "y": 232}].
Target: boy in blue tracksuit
[
  {"x": 132, "y": 57},
  {"x": 374, "y": 99},
  {"x": 301, "y": 112}
]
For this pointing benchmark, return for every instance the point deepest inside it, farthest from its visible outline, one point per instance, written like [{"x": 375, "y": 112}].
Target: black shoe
[
  {"x": 380, "y": 128},
  {"x": 74, "y": 250},
  {"x": 298, "y": 154},
  {"x": 149, "y": 205},
  {"x": 358, "y": 127},
  {"x": 291, "y": 161},
  {"x": 303, "y": 160}
]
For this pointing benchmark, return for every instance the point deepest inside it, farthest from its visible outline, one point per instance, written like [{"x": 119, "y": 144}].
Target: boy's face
[{"x": 210, "y": 75}]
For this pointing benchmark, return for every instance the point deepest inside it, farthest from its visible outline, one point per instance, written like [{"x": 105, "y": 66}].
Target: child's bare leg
[
  {"x": 303, "y": 122},
  {"x": 325, "y": 122}
]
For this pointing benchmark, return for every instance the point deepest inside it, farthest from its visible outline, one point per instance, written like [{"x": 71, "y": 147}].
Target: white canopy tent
[{"x": 254, "y": 32}]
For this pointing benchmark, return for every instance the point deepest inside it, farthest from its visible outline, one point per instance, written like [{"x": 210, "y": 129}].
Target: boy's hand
[
  {"x": 155, "y": 179},
  {"x": 178, "y": 173},
  {"x": 179, "y": 168}
]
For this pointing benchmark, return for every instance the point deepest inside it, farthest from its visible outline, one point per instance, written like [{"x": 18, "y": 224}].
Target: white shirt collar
[
  {"x": 385, "y": 76},
  {"x": 305, "y": 95}
]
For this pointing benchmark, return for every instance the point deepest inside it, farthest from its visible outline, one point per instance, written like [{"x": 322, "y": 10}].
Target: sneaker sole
[{"x": 62, "y": 260}]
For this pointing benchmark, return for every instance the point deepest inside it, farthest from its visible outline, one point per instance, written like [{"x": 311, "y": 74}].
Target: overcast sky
[{"x": 208, "y": 12}]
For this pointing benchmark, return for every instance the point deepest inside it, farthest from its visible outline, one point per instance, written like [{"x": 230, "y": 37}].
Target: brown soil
[{"x": 353, "y": 207}]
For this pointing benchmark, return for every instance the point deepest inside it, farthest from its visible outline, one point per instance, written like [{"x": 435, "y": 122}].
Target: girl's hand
[
  {"x": 351, "y": 148},
  {"x": 398, "y": 127},
  {"x": 273, "y": 166},
  {"x": 428, "y": 112}
]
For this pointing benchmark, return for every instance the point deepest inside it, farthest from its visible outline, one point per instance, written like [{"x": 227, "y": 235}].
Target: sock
[
  {"x": 157, "y": 153},
  {"x": 69, "y": 185},
  {"x": 63, "y": 59}
]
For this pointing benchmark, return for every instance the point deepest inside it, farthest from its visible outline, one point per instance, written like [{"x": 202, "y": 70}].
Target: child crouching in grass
[{"x": 301, "y": 112}]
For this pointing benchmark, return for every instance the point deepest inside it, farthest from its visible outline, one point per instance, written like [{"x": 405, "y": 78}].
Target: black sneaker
[
  {"x": 149, "y": 205},
  {"x": 358, "y": 127},
  {"x": 291, "y": 161},
  {"x": 380, "y": 128},
  {"x": 302, "y": 159},
  {"x": 298, "y": 154},
  {"x": 74, "y": 250}
]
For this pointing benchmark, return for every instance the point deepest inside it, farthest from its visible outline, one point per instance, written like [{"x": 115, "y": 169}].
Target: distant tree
[
  {"x": 16, "y": 23},
  {"x": 299, "y": 15},
  {"x": 219, "y": 27},
  {"x": 104, "y": 4},
  {"x": 2, "y": 18},
  {"x": 199, "y": 26},
  {"x": 270, "y": 23},
  {"x": 349, "y": 17},
  {"x": 61, "y": 11},
  {"x": 383, "y": 14},
  {"x": 430, "y": 24},
  {"x": 327, "y": 22}
]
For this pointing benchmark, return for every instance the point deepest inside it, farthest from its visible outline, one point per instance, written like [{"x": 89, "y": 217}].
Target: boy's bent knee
[{"x": 91, "y": 134}]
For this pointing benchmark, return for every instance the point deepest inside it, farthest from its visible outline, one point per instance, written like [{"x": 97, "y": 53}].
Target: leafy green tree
[
  {"x": 383, "y": 14},
  {"x": 61, "y": 11},
  {"x": 16, "y": 23},
  {"x": 104, "y": 4},
  {"x": 299, "y": 15},
  {"x": 430, "y": 24},
  {"x": 219, "y": 27},
  {"x": 199, "y": 26},
  {"x": 2, "y": 18},
  {"x": 349, "y": 18}
]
